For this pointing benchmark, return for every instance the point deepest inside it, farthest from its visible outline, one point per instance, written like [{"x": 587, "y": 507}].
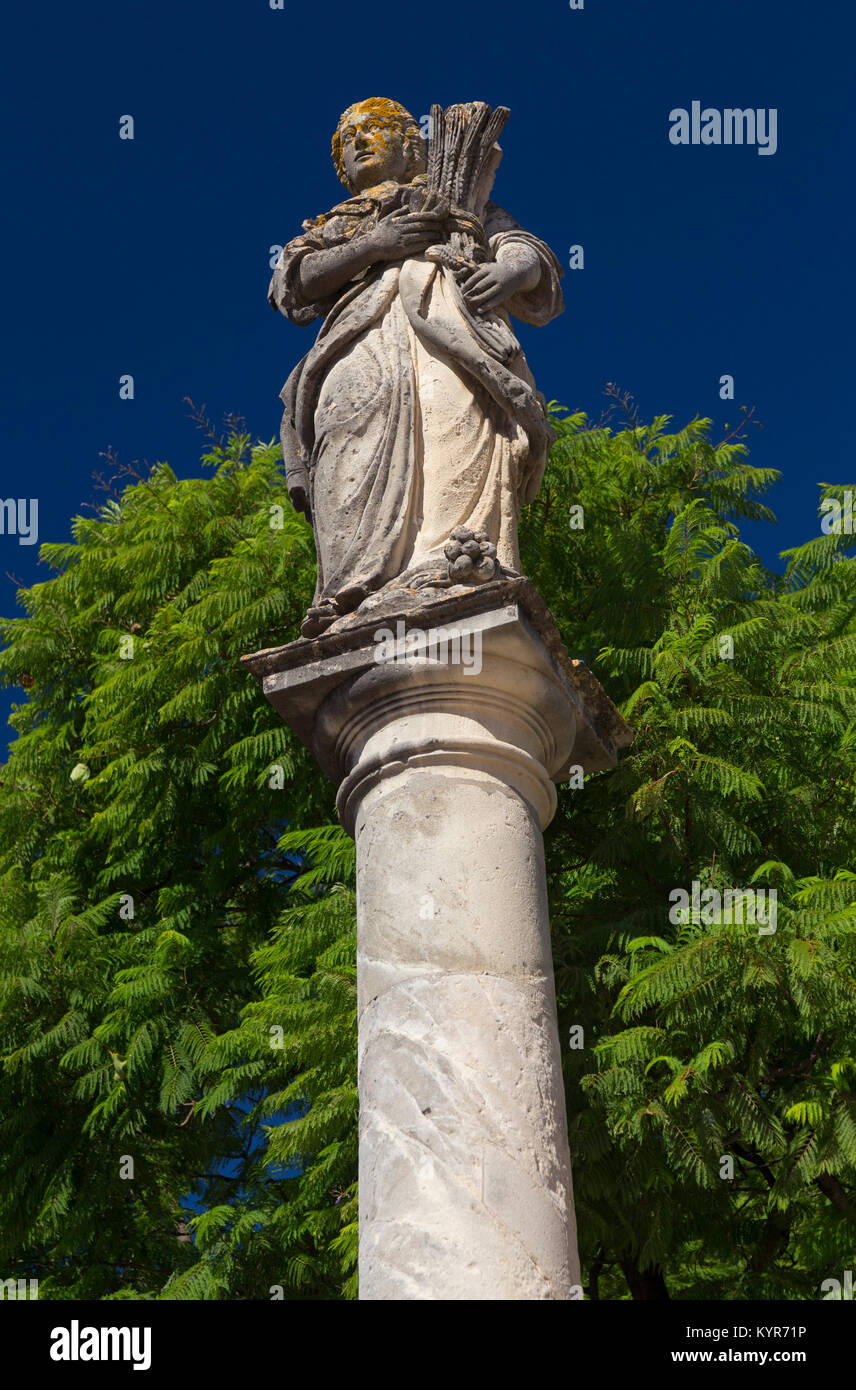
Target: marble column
[{"x": 446, "y": 758}]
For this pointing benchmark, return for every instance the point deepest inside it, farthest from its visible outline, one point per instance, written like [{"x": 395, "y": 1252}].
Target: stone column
[{"x": 445, "y": 762}]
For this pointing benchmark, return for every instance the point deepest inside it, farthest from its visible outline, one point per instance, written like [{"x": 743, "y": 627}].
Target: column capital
[{"x": 477, "y": 682}]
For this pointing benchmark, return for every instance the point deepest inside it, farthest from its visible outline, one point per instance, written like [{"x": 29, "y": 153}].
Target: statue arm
[
  {"x": 537, "y": 298},
  {"x": 310, "y": 273},
  {"x": 285, "y": 291},
  {"x": 322, "y": 274}
]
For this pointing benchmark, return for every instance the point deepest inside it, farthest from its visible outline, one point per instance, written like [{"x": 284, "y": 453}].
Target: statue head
[{"x": 377, "y": 140}]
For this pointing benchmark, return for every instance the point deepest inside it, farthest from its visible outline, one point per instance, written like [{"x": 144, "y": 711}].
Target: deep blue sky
[{"x": 151, "y": 256}]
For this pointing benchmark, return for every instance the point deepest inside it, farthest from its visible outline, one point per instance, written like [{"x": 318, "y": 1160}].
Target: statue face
[{"x": 372, "y": 150}]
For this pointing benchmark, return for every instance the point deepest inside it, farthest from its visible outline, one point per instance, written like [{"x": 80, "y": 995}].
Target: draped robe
[{"x": 411, "y": 415}]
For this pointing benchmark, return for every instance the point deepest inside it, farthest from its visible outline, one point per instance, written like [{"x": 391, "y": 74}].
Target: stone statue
[{"x": 413, "y": 431}]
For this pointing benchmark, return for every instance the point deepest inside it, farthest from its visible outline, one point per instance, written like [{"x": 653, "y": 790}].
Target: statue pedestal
[{"x": 445, "y": 763}]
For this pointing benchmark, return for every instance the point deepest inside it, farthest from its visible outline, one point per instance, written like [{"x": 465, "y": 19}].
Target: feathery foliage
[{"x": 177, "y": 904}]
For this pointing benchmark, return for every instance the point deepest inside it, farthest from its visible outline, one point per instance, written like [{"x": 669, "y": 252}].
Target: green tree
[
  {"x": 706, "y": 1040},
  {"x": 141, "y": 813},
  {"x": 177, "y": 940}
]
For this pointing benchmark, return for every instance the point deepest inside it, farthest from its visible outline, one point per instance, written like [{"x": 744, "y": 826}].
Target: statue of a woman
[{"x": 415, "y": 414}]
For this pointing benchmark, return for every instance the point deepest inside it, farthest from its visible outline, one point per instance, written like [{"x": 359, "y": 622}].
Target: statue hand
[
  {"x": 300, "y": 501},
  {"x": 486, "y": 286},
  {"x": 405, "y": 234}
]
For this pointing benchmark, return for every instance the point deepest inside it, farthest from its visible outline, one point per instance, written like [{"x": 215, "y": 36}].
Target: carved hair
[{"x": 398, "y": 119}]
